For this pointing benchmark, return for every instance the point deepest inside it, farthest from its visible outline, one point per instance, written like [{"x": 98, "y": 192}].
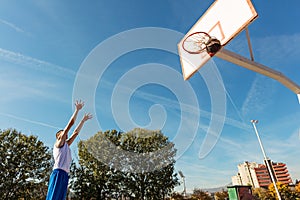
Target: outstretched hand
[
  {"x": 79, "y": 104},
  {"x": 87, "y": 116}
]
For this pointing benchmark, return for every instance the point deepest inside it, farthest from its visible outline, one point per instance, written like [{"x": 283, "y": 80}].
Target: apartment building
[{"x": 257, "y": 175}]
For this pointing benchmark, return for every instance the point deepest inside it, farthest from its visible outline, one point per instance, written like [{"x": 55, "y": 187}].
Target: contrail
[
  {"x": 36, "y": 64},
  {"x": 30, "y": 121},
  {"x": 11, "y": 25}
]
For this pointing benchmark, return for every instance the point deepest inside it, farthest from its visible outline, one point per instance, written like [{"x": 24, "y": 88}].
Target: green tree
[
  {"x": 138, "y": 164},
  {"x": 177, "y": 196},
  {"x": 25, "y": 164},
  {"x": 151, "y": 173},
  {"x": 199, "y": 194},
  {"x": 94, "y": 178}
]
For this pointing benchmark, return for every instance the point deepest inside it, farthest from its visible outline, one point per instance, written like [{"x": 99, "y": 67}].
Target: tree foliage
[
  {"x": 261, "y": 194},
  {"x": 199, "y": 194},
  {"x": 221, "y": 195},
  {"x": 285, "y": 192},
  {"x": 25, "y": 163},
  {"x": 297, "y": 188},
  {"x": 138, "y": 164},
  {"x": 177, "y": 196}
]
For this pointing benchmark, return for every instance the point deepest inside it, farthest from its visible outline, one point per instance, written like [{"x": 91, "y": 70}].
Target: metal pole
[
  {"x": 183, "y": 179},
  {"x": 265, "y": 158},
  {"x": 184, "y": 190},
  {"x": 249, "y": 44}
]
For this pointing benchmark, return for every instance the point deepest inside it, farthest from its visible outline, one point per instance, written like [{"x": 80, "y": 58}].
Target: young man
[{"x": 58, "y": 183}]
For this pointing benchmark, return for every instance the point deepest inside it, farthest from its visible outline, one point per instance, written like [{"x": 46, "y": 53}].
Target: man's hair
[{"x": 58, "y": 132}]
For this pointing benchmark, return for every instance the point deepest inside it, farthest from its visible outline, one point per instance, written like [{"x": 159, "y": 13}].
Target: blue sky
[{"x": 120, "y": 57}]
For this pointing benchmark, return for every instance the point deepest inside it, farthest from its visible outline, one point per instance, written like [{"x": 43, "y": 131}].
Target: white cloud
[
  {"x": 259, "y": 95},
  {"x": 11, "y": 25},
  {"x": 33, "y": 63},
  {"x": 23, "y": 76},
  {"x": 278, "y": 52}
]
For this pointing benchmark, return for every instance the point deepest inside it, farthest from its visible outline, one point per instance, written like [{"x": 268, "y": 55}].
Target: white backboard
[{"x": 224, "y": 19}]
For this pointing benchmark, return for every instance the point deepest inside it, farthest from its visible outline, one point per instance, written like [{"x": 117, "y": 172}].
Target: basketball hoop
[{"x": 199, "y": 42}]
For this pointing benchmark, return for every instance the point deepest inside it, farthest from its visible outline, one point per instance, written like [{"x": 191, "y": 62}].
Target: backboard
[{"x": 224, "y": 19}]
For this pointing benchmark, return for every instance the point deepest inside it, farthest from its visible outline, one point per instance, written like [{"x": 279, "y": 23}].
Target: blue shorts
[{"x": 58, "y": 185}]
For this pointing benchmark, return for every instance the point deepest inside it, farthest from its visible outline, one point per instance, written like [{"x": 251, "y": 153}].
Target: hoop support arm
[{"x": 259, "y": 68}]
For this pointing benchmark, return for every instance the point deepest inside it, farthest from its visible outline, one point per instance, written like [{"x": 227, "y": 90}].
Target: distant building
[
  {"x": 256, "y": 175},
  {"x": 280, "y": 172},
  {"x": 246, "y": 174}
]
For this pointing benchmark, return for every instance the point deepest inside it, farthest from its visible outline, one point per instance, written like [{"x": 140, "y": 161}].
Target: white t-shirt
[{"x": 62, "y": 157}]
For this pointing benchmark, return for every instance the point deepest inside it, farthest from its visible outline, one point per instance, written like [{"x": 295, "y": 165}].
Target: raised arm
[
  {"x": 62, "y": 137},
  {"x": 78, "y": 128}
]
